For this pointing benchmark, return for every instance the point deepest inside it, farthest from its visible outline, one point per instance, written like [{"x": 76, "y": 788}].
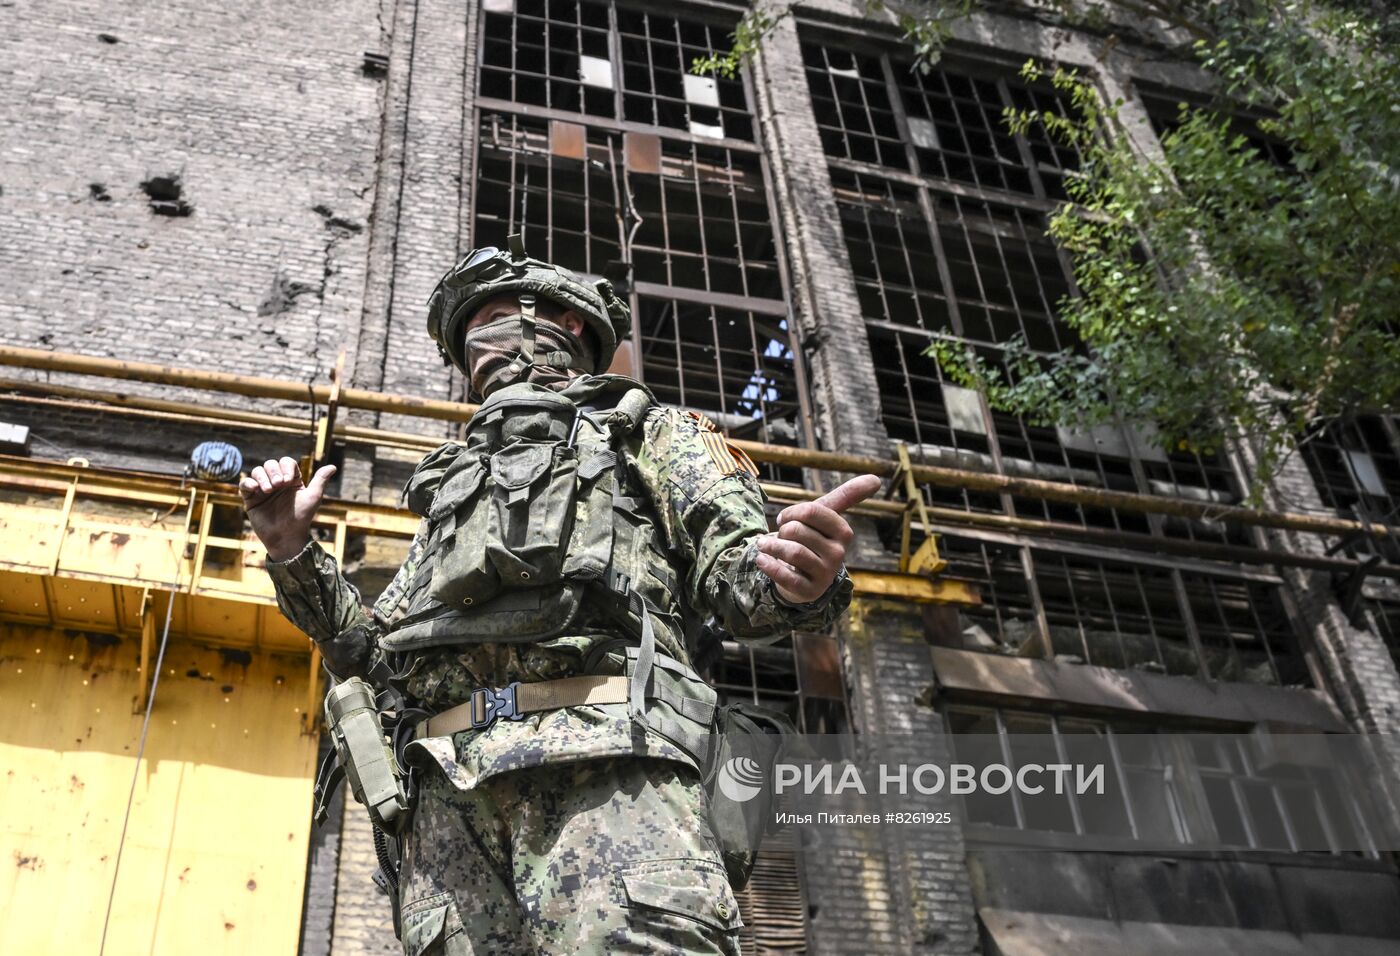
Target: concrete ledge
[{"x": 1009, "y": 679}]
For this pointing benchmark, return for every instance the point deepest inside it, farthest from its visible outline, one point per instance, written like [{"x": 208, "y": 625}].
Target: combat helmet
[{"x": 488, "y": 271}]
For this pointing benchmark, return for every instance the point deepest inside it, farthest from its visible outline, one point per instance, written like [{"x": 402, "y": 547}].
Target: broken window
[
  {"x": 1125, "y": 616},
  {"x": 1357, "y": 471},
  {"x": 1164, "y": 110},
  {"x": 656, "y": 52},
  {"x": 943, "y": 211},
  {"x": 734, "y": 366},
  {"x": 656, "y": 175},
  {"x": 851, "y": 102},
  {"x": 1275, "y": 808},
  {"x": 704, "y": 222},
  {"x": 612, "y": 62},
  {"x": 555, "y": 55},
  {"x": 555, "y": 182},
  {"x": 945, "y": 123},
  {"x": 1141, "y": 801}
]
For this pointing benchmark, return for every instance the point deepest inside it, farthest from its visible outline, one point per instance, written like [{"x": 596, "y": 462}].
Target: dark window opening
[
  {"x": 1357, "y": 471},
  {"x": 617, "y": 63},
  {"x": 704, "y": 223},
  {"x": 567, "y": 208},
  {"x": 734, "y": 367}
]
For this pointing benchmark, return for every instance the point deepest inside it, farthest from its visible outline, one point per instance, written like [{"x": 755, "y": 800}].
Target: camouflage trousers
[{"x": 608, "y": 855}]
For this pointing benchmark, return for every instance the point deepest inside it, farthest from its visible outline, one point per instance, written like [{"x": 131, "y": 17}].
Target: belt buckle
[{"x": 489, "y": 704}]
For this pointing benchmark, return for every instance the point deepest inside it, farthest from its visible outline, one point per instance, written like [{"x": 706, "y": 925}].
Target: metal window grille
[
  {"x": 556, "y": 55},
  {"x": 851, "y": 102},
  {"x": 1356, "y": 469},
  {"x": 658, "y": 88},
  {"x": 1288, "y": 811},
  {"x": 614, "y": 62},
  {"x": 705, "y": 223},
  {"x": 943, "y": 211},
  {"x": 566, "y": 205},
  {"x": 738, "y": 365},
  {"x": 1241, "y": 804},
  {"x": 659, "y": 174}
]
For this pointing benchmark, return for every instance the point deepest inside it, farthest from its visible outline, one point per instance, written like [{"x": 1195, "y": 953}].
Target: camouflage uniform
[{"x": 564, "y": 831}]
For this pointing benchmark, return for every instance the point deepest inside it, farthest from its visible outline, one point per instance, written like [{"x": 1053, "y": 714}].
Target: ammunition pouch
[
  {"x": 352, "y": 716},
  {"x": 528, "y": 516}
]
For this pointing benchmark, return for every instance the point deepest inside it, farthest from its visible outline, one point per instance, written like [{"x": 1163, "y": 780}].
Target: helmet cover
[{"x": 486, "y": 272}]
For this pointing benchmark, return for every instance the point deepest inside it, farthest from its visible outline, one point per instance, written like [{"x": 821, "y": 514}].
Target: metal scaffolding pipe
[
  {"x": 774, "y": 454},
  {"x": 191, "y": 413},
  {"x": 250, "y": 385}
]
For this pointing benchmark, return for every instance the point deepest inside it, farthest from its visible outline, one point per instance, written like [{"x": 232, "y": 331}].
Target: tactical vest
[{"x": 534, "y": 514}]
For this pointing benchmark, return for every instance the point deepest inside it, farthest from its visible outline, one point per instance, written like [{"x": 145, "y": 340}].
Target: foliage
[
  {"x": 1224, "y": 293},
  {"x": 927, "y": 26}
]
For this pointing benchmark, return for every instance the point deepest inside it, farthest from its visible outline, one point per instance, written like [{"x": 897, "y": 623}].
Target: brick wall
[
  {"x": 909, "y": 894},
  {"x": 830, "y": 326},
  {"x": 363, "y": 925},
  {"x": 263, "y": 113}
]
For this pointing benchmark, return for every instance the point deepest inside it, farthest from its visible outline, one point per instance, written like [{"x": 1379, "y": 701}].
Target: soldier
[{"x": 571, "y": 550}]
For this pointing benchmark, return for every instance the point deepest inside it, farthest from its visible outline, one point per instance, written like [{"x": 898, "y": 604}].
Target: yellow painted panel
[
  {"x": 84, "y": 604},
  {"x": 22, "y": 596},
  {"x": 215, "y": 854}
]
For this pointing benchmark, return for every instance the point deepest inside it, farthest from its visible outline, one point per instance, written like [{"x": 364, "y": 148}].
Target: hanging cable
[{"x": 145, "y": 727}]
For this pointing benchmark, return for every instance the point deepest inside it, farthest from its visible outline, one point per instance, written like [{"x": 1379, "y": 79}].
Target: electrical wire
[{"x": 145, "y": 728}]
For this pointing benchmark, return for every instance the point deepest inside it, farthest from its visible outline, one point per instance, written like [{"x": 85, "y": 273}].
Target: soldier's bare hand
[
  {"x": 805, "y": 554},
  {"x": 280, "y": 508}
]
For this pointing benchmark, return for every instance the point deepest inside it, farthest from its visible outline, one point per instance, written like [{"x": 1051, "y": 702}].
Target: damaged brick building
[{"x": 238, "y": 211}]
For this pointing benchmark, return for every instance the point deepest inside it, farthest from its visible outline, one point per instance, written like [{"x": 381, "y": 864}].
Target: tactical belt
[{"x": 515, "y": 700}]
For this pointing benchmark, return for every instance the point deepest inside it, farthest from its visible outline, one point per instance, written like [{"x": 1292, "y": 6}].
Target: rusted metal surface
[
  {"x": 569, "y": 140},
  {"x": 643, "y": 152},
  {"x": 250, "y": 385},
  {"x": 818, "y": 666}
]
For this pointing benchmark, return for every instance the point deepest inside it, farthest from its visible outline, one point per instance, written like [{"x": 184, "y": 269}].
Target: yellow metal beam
[
  {"x": 148, "y": 640},
  {"x": 206, "y": 517},
  {"x": 913, "y": 587}
]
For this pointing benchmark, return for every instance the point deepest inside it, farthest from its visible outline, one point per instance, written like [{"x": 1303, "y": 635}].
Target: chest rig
[{"x": 534, "y": 515}]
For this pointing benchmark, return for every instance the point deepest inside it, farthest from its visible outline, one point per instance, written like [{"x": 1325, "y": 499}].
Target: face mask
[{"x": 523, "y": 348}]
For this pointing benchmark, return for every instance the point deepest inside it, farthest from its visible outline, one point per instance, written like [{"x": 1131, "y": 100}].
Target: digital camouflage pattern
[
  {"x": 601, "y": 856},
  {"x": 710, "y": 514}
]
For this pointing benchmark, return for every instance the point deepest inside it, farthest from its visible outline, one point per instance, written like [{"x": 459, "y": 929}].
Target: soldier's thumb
[{"x": 317, "y": 485}]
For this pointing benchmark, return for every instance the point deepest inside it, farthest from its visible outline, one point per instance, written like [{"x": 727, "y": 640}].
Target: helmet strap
[{"x": 527, "y": 328}]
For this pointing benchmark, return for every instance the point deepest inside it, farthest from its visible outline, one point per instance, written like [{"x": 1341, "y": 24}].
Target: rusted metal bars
[{"x": 1137, "y": 502}]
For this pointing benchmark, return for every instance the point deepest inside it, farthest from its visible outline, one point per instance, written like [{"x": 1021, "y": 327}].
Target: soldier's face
[
  {"x": 508, "y": 304},
  {"x": 493, "y": 343}
]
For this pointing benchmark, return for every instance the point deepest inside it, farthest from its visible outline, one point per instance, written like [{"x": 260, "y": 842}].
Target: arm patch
[{"x": 728, "y": 458}]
